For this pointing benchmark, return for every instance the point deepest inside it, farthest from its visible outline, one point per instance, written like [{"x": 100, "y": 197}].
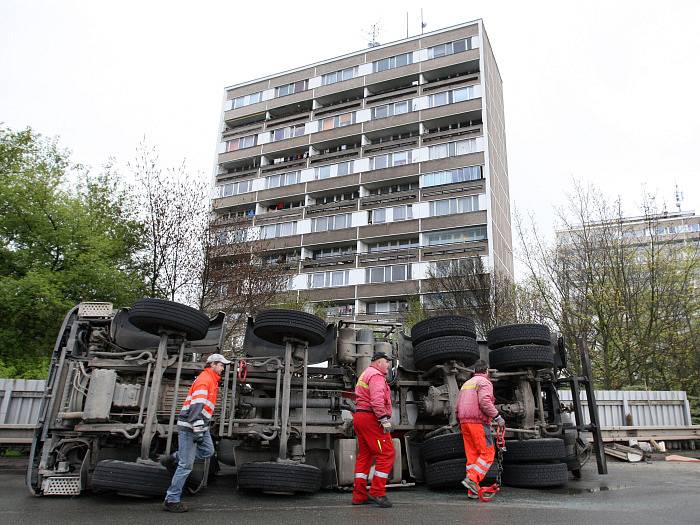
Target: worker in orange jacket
[
  {"x": 372, "y": 424},
  {"x": 194, "y": 439},
  {"x": 475, "y": 412}
]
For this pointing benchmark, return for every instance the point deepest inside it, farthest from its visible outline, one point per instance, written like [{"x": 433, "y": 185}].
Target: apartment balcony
[
  {"x": 332, "y": 207},
  {"x": 402, "y": 197},
  {"x": 339, "y": 87},
  {"x": 389, "y": 228},
  {"x": 239, "y": 154},
  {"x": 466, "y": 60},
  {"x": 331, "y": 260},
  {"x": 279, "y": 216},
  {"x": 338, "y": 293},
  {"x": 298, "y": 163},
  {"x": 456, "y": 250},
  {"x": 404, "y": 119},
  {"x": 452, "y": 131},
  {"x": 231, "y": 174},
  {"x": 285, "y": 144},
  {"x": 287, "y": 120},
  {"x": 391, "y": 173},
  {"x": 282, "y": 192},
  {"x": 458, "y": 220},
  {"x": 333, "y": 236},
  {"x": 278, "y": 244},
  {"x": 391, "y": 95},
  {"x": 457, "y": 189},
  {"x": 234, "y": 200},
  {"x": 459, "y": 80},
  {"x": 337, "y": 133},
  {"x": 333, "y": 183},
  {"x": 390, "y": 144},
  {"x": 400, "y": 289},
  {"x": 467, "y": 107},
  {"x": 290, "y": 100},
  {"x": 471, "y": 159},
  {"x": 395, "y": 73},
  {"x": 242, "y": 115},
  {"x": 243, "y": 130},
  {"x": 338, "y": 156},
  {"x": 396, "y": 256}
]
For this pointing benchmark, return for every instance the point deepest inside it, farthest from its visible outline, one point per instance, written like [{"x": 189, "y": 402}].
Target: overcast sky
[{"x": 605, "y": 92}]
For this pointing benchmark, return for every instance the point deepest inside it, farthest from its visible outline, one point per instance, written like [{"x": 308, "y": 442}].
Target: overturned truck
[{"x": 284, "y": 413}]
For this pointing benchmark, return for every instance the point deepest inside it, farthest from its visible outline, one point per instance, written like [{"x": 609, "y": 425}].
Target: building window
[
  {"x": 337, "y": 121},
  {"x": 452, "y": 97},
  {"x": 235, "y": 188},
  {"x": 241, "y": 142},
  {"x": 384, "y": 190},
  {"x": 453, "y": 149},
  {"x": 283, "y": 179},
  {"x": 474, "y": 233},
  {"x": 340, "y": 310},
  {"x": 438, "y": 178},
  {"x": 333, "y": 252},
  {"x": 393, "y": 245},
  {"x": 329, "y": 279},
  {"x": 334, "y": 170},
  {"x": 387, "y": 307},
  {"x": 394, "y": 213},
  {"x": 246, "y": 100},
  {"x": 287, "y": 133},
  {"x": 392, "y": 62},
  {"x": 388, "y": 274},
  {"x": 389, "y": 110},
  {"x": 290, "y": 89},
  {"x": 332, "y": 222},
  {"x": 451, "y": 48},
  {"x": 340, "y": 75},
  {"x": 390, "y": 160},
  {"x": 452, "y": 206},
  {"x": 283, "y": 229}
]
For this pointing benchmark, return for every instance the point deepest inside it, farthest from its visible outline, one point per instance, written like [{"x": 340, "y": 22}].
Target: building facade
[{"x": 360, "y": 171}]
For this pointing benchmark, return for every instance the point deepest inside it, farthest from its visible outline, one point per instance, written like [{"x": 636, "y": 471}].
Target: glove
[
  {"x": 500, "y": 421},
  {"x": 386, "y": 424}
]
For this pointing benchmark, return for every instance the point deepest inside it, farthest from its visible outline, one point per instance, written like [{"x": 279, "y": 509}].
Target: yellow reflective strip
[
  {"x": 380, "y": 445},
  {"x": 467, "y": 386},
  {"x": 362, "y": 384}
]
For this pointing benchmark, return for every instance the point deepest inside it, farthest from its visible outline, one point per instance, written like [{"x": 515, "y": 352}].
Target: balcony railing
[
  {"x": 330, "y": 260},
  {"x": 275, "y": 215},
  {"x": 331, "y": 206},
  {"x": 388, "y": 255},
  {"x": 396, "y": 196}
]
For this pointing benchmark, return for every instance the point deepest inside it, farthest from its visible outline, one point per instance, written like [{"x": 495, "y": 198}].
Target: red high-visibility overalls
[{"x": 373, "y": 402}]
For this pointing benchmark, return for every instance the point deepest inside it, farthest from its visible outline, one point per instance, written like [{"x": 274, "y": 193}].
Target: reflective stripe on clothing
[
  {"x": 372, "y": 392},
  {"x": 480, "y": 453},
  {"x": 381, "y": 474},
  {"x": 361, "y": 475},
  {"x": 200, "y": 402},
  {"x": 372, "y": 444}
]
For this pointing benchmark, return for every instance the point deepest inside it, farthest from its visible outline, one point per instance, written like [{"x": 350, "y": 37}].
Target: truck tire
[
  {"x": 440, "y": 349},
  {"x": 132, "y": 478},
  {"x": 535, "y": 475},
  {"x": 268, "y": 476},
  {"x": 534, "y": 450},
  {"x": 449, "y": 446},
  {"x": 451, "y": 472},
  {"x": 150, "y": 315},
  {"x": 522, "y": 356},
  {"x": 442, "y": 326},
  {"x": 518, "y": 334},
  {"x": 274, "y": 325}
]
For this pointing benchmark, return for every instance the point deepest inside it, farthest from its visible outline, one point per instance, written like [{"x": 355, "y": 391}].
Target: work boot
[
  {"x": 471, "y": 486},
  {"x": 382, "y": 501},
  {"x": 175, "y": 506},
  {"x": 362, "y": 502},
  {"x": 169, "y": 462},
  {"x": 472, "y": 495}
]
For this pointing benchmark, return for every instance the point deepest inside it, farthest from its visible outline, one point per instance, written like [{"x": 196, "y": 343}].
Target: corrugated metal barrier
[{"x": 639, "y": 408}]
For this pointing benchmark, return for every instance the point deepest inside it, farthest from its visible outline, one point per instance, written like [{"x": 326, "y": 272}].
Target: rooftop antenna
[
  {"x": 423, "y": 25},
  {"x": 679, "y": 198},
  {"x": 373, "y": 34}
]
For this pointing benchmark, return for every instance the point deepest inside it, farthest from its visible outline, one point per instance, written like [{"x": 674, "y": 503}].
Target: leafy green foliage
[{"x": 60, "y": 243}]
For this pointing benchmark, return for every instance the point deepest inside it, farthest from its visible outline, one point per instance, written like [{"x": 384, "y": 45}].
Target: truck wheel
[
  {"x": 150, "y": 315},
  {"x": 518, "y": 334},
  {"x": 522, "y": 356},
  {"x": 535, "y": 475},
  {"x": 449, "y": 446},
  {"x": 440, "y": 349},
  {"x": 534, "y": 450},
  {"x": 274, "y": 325},
  {"x": 127, "y": 477},
  {"x": 441, "y": 326},
  {"x": 287, "y": 478},
  {"x": 451, "y": 472}
]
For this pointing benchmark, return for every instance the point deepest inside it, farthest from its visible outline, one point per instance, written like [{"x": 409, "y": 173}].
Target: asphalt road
[{"x": 642, "y": 493}]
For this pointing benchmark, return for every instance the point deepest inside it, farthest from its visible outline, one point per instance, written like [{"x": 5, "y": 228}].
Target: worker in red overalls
[
  {"x": 373, "y": 429},
  {"x": 475, "y": 411}
]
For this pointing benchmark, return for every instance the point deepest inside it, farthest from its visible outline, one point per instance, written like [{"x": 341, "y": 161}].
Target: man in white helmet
[{"x": 194, "y": 440}]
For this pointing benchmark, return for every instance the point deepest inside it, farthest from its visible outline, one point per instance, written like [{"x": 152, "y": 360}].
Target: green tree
[{"x": 65, "y": 236}]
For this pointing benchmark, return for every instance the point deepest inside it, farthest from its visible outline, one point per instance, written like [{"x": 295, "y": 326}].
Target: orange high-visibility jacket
[{"x": 198, "y": 407}]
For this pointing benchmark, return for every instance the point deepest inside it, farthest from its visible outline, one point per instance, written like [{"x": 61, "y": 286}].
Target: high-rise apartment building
[{"x": 361, "y": 171}]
